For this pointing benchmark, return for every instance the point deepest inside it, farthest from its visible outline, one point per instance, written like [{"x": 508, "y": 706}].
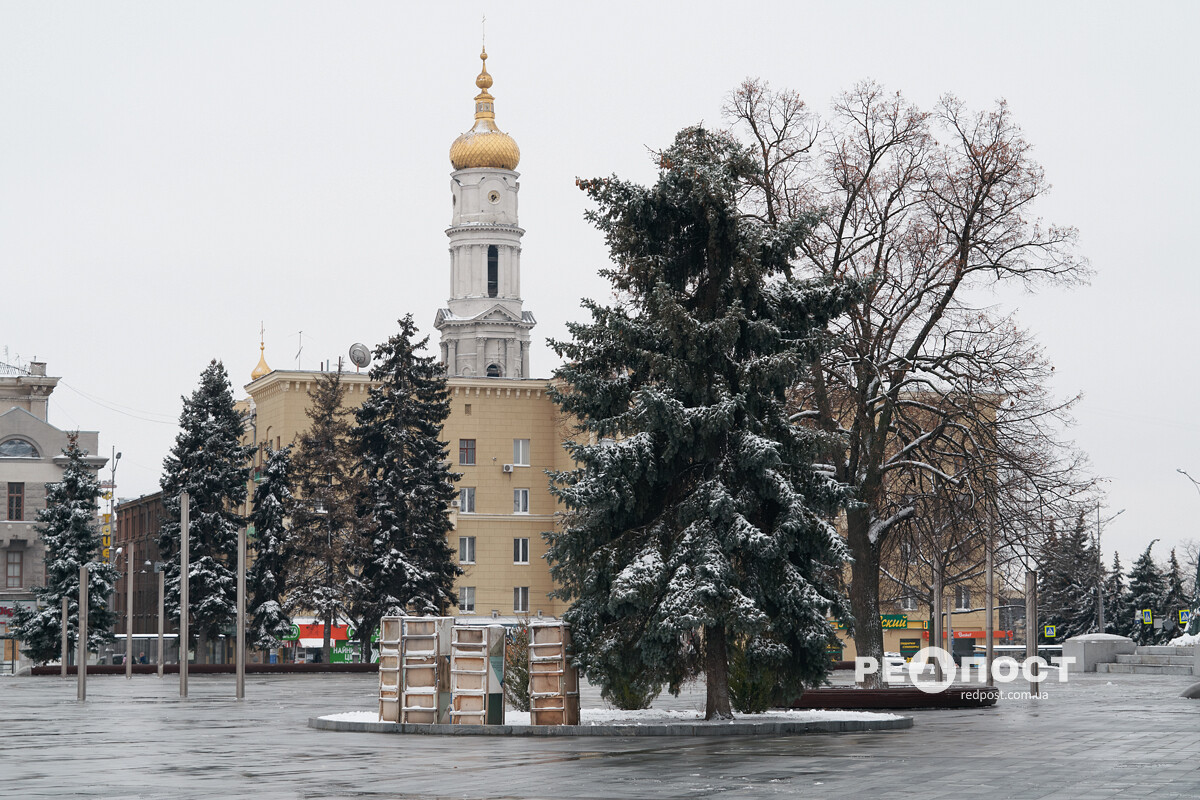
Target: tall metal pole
[
  {"x": 950, "y": 603},
  {"x": 81, "y": 659},
  {"x": 937, "y": 619},
  {"x": 1031, "y": 620},
  {"x": 184, "y": 523},
  {"x": 65, "y": 646},
  {"x": 241, "y": 616},
  {"x": 989, "y": 637},
  {"x": 161, "y": 569},
  {"x": 1099, "y": 576},
  {"x": 129, "y": 612}
]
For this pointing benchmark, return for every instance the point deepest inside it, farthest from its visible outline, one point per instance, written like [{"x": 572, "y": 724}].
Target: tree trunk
[
  {"x": 716, "y": 674},
  {"x": 327, "y": 645},
  {"x": 864, "y": 593}
]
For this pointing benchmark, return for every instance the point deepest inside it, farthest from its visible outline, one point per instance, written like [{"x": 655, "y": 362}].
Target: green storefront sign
[{"x": 909, "y": 648}]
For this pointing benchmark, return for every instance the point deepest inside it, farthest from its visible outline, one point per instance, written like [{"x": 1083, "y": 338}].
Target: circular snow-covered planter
[{"x": 786, "y": 723}]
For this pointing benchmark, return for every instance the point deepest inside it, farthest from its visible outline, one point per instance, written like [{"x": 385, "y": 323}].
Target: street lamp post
[
  {"x": 160, "y": 567},
  {"x": 1100, "y": 569},
  {"x": 1194, "y": 626}
]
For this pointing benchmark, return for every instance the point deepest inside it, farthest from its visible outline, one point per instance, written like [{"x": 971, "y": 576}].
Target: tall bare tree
[{"x": 926, "y": 209}]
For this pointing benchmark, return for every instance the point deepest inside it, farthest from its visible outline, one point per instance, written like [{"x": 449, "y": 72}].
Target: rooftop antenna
[{"x": 301, "y": 350}]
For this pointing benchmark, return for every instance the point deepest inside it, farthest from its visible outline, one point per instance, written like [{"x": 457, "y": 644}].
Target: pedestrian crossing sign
[
  {"x": 1051, "y": 631},
  {"x": 1185, "y": 616},
  {"x": 1147, "y": 616}
]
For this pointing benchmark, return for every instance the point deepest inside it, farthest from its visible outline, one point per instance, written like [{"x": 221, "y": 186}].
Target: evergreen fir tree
[
  {"x": 1118, "y": 610},
  {"x": 210, "y": 463},
  {"x": 327, "y": 548},
  {"x": 267, "y": 579},
  {"x": 1147, "y": 588},
  {"x": 1174, "y": 598},
  {"x": 696, "y": 521},
  {"x": 409, "y": 566},
  {"x": 1068, "y": 580},
  {"x": 71, "y": 537}
]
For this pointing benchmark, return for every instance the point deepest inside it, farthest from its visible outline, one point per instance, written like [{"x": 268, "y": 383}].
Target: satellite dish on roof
[{"x": 360, "y": 356}]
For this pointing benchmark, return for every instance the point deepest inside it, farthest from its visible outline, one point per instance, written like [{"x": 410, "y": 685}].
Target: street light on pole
[
  {"x": 1100, "y": 569},
  {"x": 1194, "y": 625}
]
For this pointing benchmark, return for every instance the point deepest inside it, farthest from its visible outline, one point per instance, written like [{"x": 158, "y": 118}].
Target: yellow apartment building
[{"x": 503, "y": 434}]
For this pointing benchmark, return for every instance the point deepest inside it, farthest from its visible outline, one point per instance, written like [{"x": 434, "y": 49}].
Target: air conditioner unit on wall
[
  {"x": 454, "y": 504},
  {"x": 508, "y": 467}
]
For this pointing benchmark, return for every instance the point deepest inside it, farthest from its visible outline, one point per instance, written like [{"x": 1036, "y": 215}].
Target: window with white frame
[
  {"x": 466, "y": 500},
  {"x": 521, "y": 599},
  {"x": 466, "y": 549},
  {"x": 521, "y": 452},
  {"x": 466, "y": 599},
  {"x": 520, "y": 501},
  {"x": 521, "y": 551},
  {"x": 962, "y": 597},
  {"x": 908, "y": 604}
]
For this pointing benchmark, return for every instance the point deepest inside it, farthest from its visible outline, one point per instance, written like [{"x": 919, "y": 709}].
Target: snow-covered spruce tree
[
  {"x": 1118, "y": 610},
  {"x": 68, "y": 529},
  {"x": 1174, "y": 598},
  {"x": 1068, "y": 579},
  {"x": 267, "y": 579},
  {"x": 1147, "y": 587},
  {"x": 328, "y": 549},
  {"x": 210, "y": 463},
  {"x": 695, "y": 514},
  {"x": 409, "y": 565}
]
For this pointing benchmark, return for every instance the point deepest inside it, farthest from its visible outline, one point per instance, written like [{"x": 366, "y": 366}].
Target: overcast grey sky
[{"x": 172, "y": 174}]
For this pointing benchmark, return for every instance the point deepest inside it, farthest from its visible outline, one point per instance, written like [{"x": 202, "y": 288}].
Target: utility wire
[{"x": 125, "y": 410}]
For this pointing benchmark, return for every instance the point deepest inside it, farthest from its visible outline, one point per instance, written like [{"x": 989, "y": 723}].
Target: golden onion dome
[
  {"x": 262, "y": 368},
  {"x": 484, "y": 145}
]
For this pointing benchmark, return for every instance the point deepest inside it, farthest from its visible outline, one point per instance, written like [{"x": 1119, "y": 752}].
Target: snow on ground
[
  {"x": 1186, "y": 640},
  {"x": 654, "y": 716}
]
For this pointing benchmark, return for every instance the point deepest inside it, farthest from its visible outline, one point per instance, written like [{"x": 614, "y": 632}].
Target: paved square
[{"x": 1127, "y": 736}]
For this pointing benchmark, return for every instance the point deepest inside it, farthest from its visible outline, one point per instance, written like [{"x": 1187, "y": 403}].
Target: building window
[
  {"x": 466, "y": 500},
  {"x": 962, "y": 597},
  {"x": 521, "y": 452},
  {"x": 494, "y": 371},
  {"x": 12, "y": 576},
  {"x": 521, "y": 599},
  {"x": 466, "y": 599},
  {"x": 493, "y": 270},
  {"x": 18, "y": 448},
  {"x": 520, "y": 501},
  {"x": 521, "y": 551},
  {"x": 908, "y": 604},
  {"x": 16, "y": 501},
  {"x": 466, "y": 549},
  {"x": 466, "y": 452},
  {"x": 467, "y": 409}
]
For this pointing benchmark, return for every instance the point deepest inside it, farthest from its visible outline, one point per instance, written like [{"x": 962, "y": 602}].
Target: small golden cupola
[
  {"x": 262, "y": 368},
  {"x": 485, "y": 145}
]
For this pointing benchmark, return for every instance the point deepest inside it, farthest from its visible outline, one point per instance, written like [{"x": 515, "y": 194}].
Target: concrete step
[
  {"x": 1163, "y": 660},
  {"x": 1144, "y": 669},
  {"x": 1164, "y": 650}
]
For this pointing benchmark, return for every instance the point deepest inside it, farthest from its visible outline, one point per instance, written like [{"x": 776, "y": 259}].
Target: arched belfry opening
[{"x": 494, "y": 371}]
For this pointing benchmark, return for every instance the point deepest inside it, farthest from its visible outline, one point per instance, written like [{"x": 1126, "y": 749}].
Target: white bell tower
[{"x": 484, "y": 331}]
